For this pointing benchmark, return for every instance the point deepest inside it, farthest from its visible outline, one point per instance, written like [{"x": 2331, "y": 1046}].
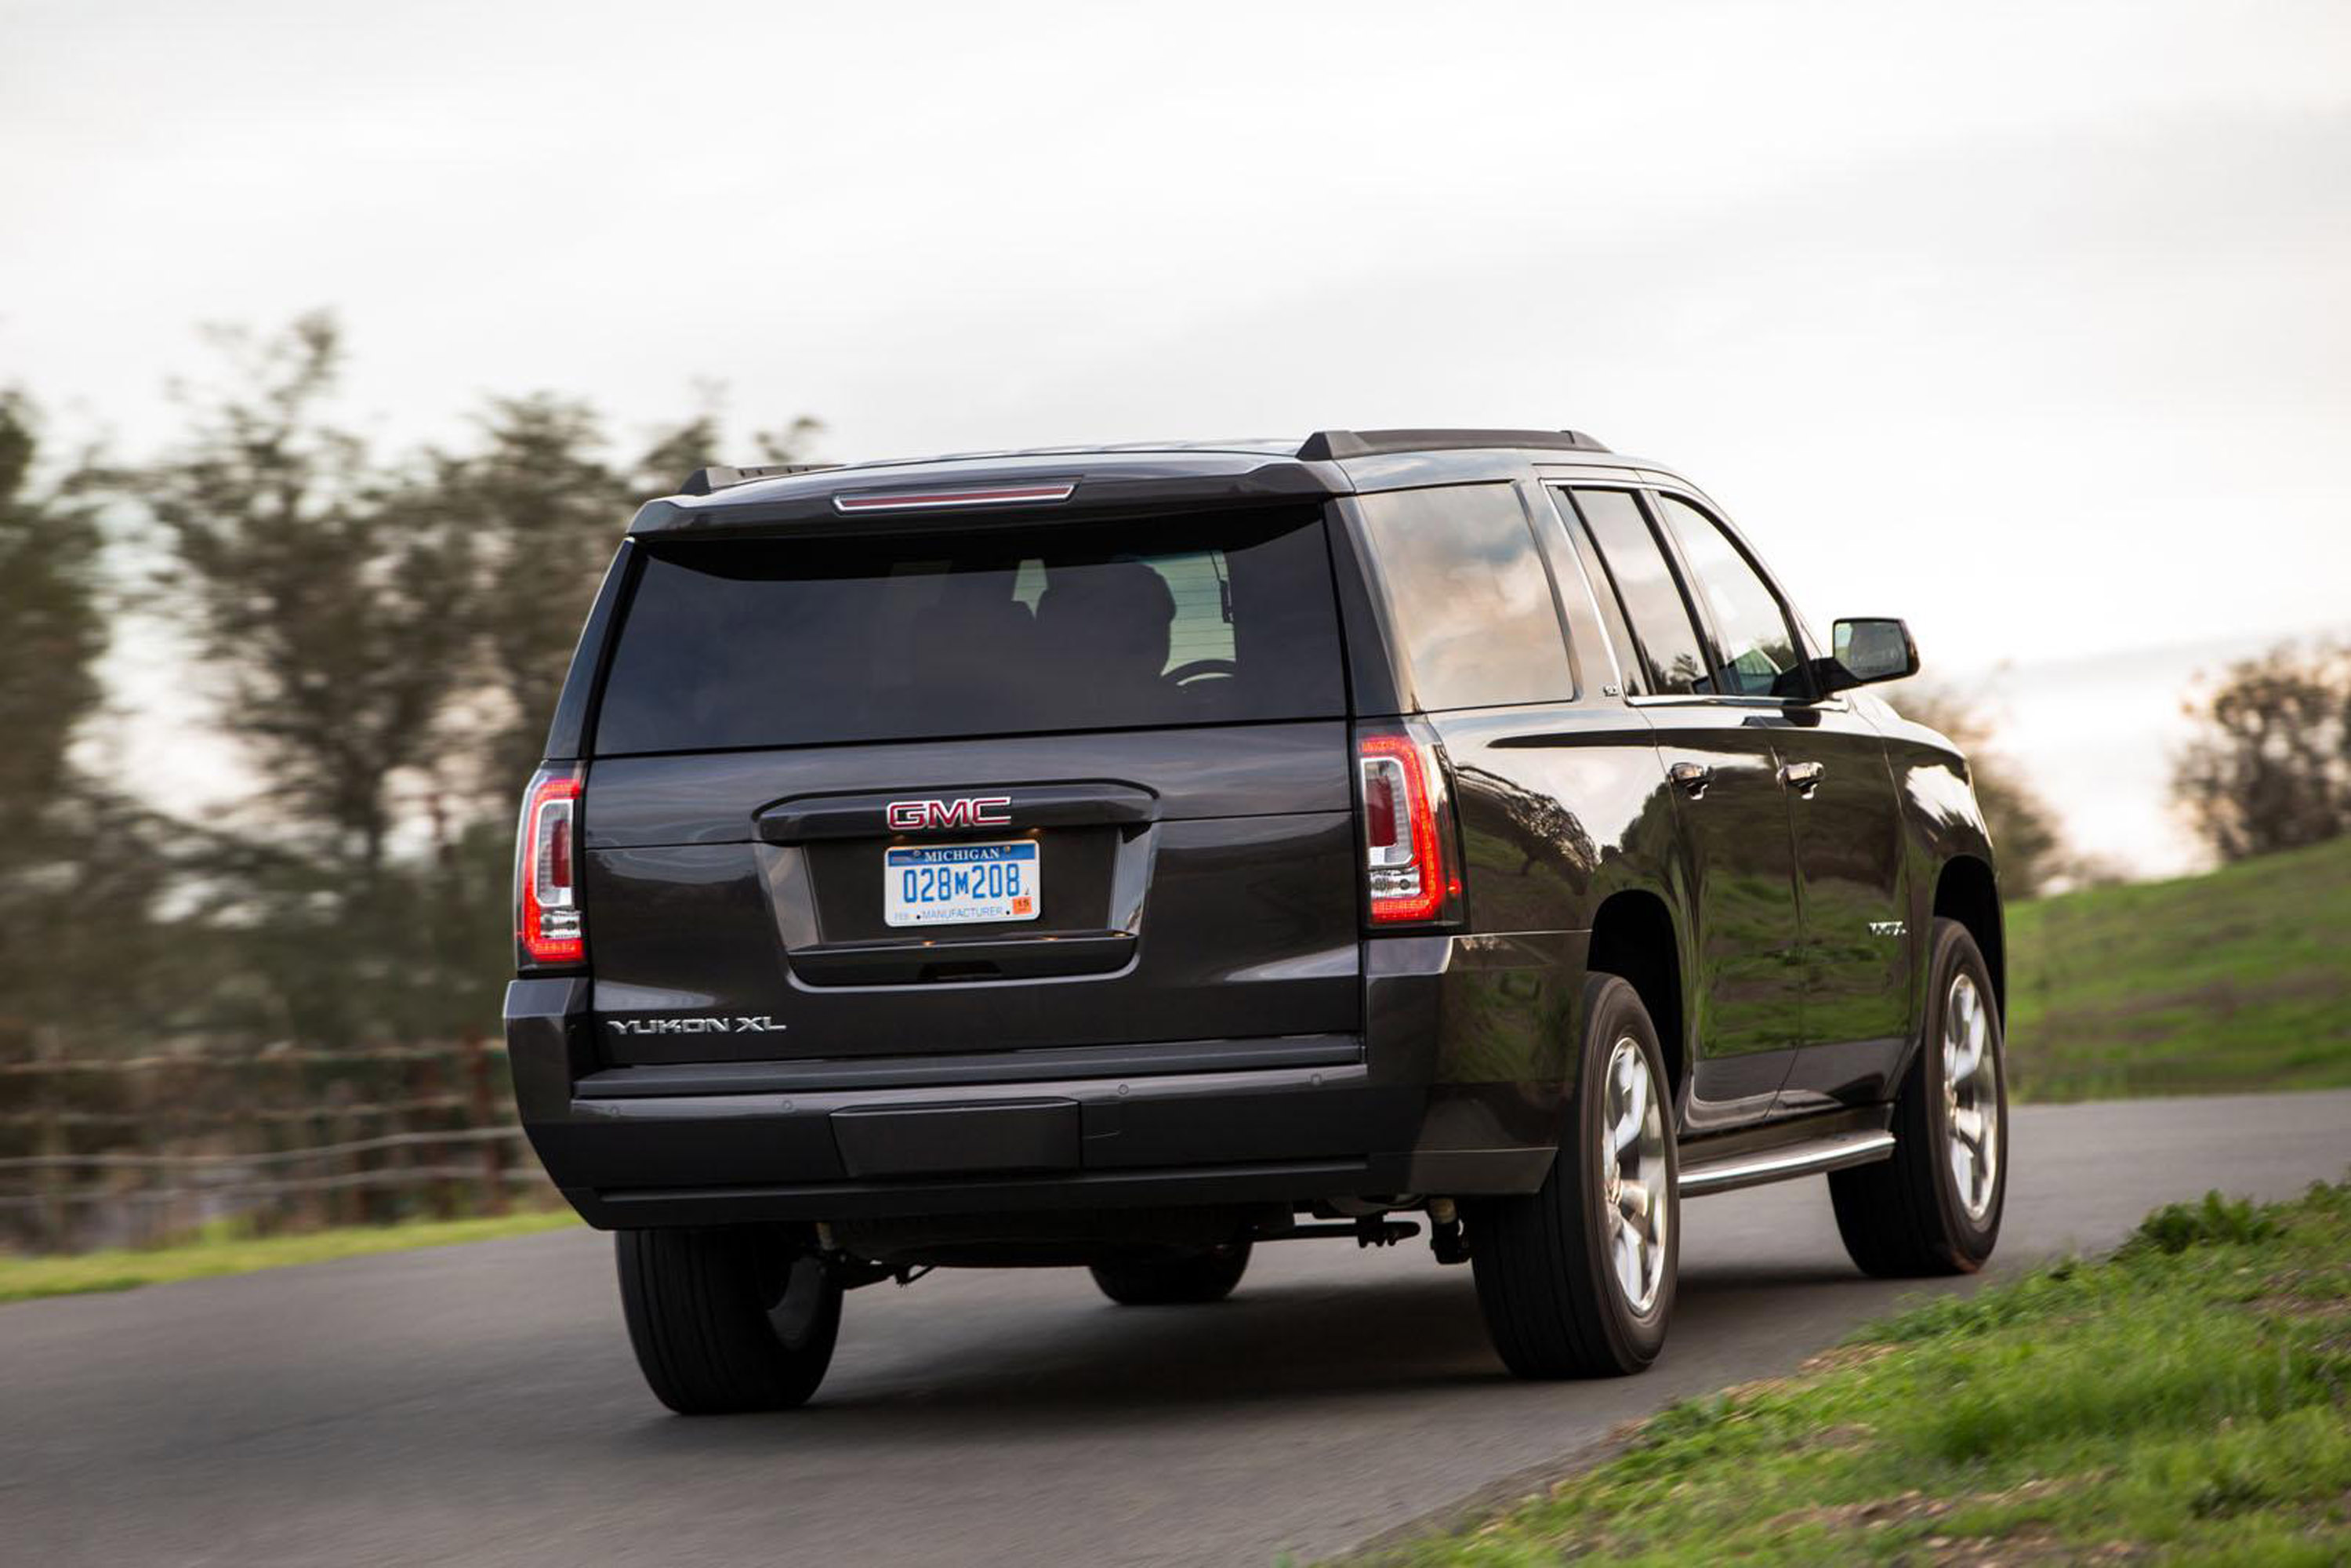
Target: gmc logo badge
[{"x": 976, "y": 812}]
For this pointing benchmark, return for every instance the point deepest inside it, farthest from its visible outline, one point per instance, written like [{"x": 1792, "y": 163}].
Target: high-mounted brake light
[
  {"x": 961, "y": 496},
  {"x": 1403, "y": 830},
  {"x": 548, "y": 926}
]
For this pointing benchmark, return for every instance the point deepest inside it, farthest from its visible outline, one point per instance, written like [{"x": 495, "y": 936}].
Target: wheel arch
[
  {"x": 1634, "y": 935},
  {"x": 1967, "y": 891}
]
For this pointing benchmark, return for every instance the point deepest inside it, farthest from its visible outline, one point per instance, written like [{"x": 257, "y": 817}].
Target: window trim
[
  {"x": 1599, "y": 594},
  {"x": 1811, "y": 696},
  {"x": 1671, "y": 556},
  {"x": 1576, "y": 684}
]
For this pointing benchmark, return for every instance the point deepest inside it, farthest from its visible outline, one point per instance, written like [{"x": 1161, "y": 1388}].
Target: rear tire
[
  {"x": 1561, "y": 1295},
  {"x": 728, "y": 1321},
  {"x": 1933, "y": 1208},
  {"x": 1174, "y": 1276}
]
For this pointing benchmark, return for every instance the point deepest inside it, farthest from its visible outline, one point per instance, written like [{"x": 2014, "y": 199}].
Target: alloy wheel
[
  {"x": 1633, "y": 1175},
  {"x": 1971, "y": 1096}
]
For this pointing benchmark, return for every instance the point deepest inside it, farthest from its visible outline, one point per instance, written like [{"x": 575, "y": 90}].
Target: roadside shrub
[{"x": 2216, "y": 1221}]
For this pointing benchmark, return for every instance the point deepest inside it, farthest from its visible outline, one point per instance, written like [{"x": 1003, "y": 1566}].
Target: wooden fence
[{"x": 133, "y": 1151}]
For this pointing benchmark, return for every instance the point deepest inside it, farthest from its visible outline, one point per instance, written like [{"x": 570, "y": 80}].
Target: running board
[{"x": 1725, "y": 1172}]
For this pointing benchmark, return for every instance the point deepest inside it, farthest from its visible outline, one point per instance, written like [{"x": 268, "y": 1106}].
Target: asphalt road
[{"x": 478, "y": 1404}]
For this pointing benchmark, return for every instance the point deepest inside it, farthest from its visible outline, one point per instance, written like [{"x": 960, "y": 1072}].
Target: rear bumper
[{"x": 1286, "y": 1120}]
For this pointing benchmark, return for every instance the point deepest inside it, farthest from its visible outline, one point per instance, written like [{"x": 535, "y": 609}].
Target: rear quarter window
[{"x": 1469, "y": 598}]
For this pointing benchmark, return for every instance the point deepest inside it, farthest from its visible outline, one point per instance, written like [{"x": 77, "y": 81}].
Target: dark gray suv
[{"x": 1126, "y": 857}]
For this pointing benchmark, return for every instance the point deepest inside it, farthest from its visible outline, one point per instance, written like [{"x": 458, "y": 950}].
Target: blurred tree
[
  {"x": 50, "y": 616},
  {"x": 333, "y": 599},
  {"x": 332, "y": 595},
  {"x": 2270, "y": 767},
  {"x": 78, "y": 860},
  {"x": 2024, "y": 830}
]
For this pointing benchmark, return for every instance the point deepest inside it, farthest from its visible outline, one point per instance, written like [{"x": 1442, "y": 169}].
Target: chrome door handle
[
  {"x": 1691, "y": 777},
  {"x": 1803, "y": 777}
]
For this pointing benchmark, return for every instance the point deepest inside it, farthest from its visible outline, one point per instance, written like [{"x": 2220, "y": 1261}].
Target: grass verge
[
  {"x": 2188, "y": 1399},
  {"x": 28, "y": 1278},
  {"x": 2238, "y": 979}
]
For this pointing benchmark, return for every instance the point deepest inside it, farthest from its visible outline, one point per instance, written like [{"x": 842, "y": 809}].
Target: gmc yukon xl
[{"x": 1124, "y": 858}]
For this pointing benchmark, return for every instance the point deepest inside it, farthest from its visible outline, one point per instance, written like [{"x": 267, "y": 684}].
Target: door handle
[
  {"x": 1803, "y": 777},
  {"x": 1691, "y": 778}
]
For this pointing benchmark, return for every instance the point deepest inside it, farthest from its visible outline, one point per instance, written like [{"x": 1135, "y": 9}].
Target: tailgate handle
[
  {"x": 900, "y": 963},
  {"x": 1085, "y": 804}
]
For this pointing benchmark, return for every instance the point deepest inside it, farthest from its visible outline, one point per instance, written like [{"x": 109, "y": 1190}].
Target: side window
[
  {"x": 1468, "y": 596},
  {"x": 1646, "y": 588},
  {"x": 1759, "y": 650}
]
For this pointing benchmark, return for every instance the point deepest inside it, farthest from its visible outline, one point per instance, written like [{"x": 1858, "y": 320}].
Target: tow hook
[{"x": 1445, "y": 1240}]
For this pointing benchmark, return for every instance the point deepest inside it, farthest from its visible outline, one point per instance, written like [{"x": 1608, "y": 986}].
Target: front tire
[
  {"x": 1173, "y": 1277},
  {"x": 1934, "y": 1206},
  {"x": 1577, "y": 1280},
  {"x": 725, "y": 1321}
]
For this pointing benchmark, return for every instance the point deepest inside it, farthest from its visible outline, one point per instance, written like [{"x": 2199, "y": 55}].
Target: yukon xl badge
[{"x": 760, "y": 1024}]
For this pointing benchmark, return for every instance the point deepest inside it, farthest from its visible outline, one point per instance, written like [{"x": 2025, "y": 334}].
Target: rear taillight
[
  {"x": 1407, "y": 831},
  {"x": 548, "y": 927}
]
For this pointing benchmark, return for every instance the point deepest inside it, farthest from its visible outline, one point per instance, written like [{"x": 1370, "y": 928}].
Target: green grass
[
  {"x": 2240, "y": 979},
  {"x": 2187, "y": 1400},
  {"x": 27, "y": 1278}
]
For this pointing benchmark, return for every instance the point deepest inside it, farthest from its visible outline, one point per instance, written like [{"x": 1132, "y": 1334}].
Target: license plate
[{"x": 961, "y": 885}]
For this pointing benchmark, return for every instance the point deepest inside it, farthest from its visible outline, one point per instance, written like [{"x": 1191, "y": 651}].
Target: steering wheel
[{"x": 1199, "y": 668}]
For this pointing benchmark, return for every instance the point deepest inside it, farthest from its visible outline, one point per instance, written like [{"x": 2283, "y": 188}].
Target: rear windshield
[{"x": 756, "y": 643}]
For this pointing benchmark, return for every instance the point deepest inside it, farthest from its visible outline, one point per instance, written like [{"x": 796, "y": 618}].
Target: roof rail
[
  {"x": 703, "y": 481},
  {"x": 1325, "y": 444}
]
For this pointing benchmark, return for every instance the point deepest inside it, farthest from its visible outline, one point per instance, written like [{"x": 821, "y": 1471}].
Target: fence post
[
  {"x": 49, "y": 1181},
  {"x": 485, "y": 1116},
  {"x": 350, "y": 1200}
]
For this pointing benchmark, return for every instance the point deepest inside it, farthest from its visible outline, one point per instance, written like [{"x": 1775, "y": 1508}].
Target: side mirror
[{"x": 1867, "y": 650}]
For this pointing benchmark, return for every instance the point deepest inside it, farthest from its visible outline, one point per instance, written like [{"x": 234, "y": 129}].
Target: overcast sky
[{"x": 2029, "y": 323}]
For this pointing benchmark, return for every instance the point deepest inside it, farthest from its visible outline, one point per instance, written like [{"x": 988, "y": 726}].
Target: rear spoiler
[
  {"x": 929, "y": 494},
  {"x": 1058, "y": 488}
]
